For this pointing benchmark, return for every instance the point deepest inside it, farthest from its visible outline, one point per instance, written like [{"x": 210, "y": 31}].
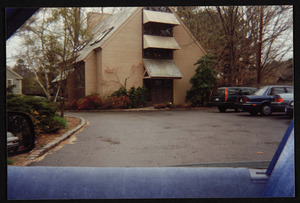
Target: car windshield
[{"x": 261, "y": 91}]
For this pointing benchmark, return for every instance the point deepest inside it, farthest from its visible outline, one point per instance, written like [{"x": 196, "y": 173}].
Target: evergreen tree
[{"x": 202, "y": 82}]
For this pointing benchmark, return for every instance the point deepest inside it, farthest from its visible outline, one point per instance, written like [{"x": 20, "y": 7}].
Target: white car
[{"x": 12, "y": 142}]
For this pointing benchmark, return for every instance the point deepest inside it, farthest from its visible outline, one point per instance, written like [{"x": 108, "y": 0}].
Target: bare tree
[
  {"x": 53, "y": 38},
  {"x": 37, "y": 53},
  {"x": 275, "y": 28},
  {"x": 244, "y": 39}
]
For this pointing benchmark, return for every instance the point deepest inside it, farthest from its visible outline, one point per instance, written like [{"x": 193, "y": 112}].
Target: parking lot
[{"x": 170, "y": 138}]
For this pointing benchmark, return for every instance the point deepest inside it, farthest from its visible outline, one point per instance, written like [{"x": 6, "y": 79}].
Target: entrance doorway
[{"x": 160, "y": 90}]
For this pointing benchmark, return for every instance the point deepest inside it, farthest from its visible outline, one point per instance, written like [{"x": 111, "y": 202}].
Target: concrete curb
[
  {"x": 57, "y": 140},
  {"x": 142, "y": 109}
]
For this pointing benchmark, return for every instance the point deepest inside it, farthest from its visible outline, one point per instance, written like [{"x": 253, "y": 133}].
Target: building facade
[
  {"x": 139, "y": 46},
  {"x": 14, "y": 81}
]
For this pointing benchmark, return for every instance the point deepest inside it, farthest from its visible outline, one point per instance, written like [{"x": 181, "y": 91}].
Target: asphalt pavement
[{"x": 169, "y": 138}]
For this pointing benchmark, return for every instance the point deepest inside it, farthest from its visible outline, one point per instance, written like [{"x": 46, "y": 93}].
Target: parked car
[
  {"x": 289, "y": 109},
  {"x": 266, "y": 100},
  {"x": 225, "y": 97},
  {"x": 12, "y": 142},
  {"x": 281, "y": 101}
]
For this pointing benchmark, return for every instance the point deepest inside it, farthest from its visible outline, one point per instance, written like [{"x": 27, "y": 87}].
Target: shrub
[
  {"x": 42, "y": 112},
  {"x": 9, "y": 161},
  {"x": 53, "y": 124},
  {"x": 160, "y": 106},
  {"x": 202, "y": 82},
  {"x": 138, "y": 96},
  {"x": 90, "y": 102},
  {"x": 120, "y": 102},
  {"x": 73, "y": 105},
  {"x": 120, "y": 92}
]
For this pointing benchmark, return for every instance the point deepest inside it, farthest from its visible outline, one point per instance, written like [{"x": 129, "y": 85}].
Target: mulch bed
[{"x": 42, "y": 140}]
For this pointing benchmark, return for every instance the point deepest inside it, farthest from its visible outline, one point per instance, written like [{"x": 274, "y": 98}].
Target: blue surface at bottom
[{"x": 119, "y": 183}]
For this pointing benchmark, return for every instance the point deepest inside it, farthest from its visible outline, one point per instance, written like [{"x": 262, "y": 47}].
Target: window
[
  {"x": 277, "y": 90},
  {"x": 289, "y": 90},
  {"x": 233, "y": 91},
  {"x": 158, "y": 29},
  {"x": 79, "y": 77},
  {"x": 158, "y": 8},
  {"x": 9, "y": 83},
  {"x": 152, "y": 53},
  {"x": 102, "y": 35}
]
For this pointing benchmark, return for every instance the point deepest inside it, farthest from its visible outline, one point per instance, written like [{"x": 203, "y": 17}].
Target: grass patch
[{"x": 9, "y": 161}]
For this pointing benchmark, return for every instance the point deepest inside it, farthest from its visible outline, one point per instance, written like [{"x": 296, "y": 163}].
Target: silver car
[{"x": 12, "y": 142}]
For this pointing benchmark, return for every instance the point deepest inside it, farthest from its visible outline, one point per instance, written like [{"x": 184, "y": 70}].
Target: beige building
[{"x": 138, "y": 46}]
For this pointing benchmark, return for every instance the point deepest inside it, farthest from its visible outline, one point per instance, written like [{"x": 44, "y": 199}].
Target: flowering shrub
[
  {"x": 72, "y": 105},
  {"x": 122, "y": 102},
  {"x": 90, "y": 102}
]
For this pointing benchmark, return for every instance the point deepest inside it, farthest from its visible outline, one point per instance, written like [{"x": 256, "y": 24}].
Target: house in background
[
  {"x": 14, "y": 81},
  {"x": 138, "y": 46}
]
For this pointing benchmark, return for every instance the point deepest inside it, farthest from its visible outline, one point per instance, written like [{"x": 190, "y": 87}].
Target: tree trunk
[{"x": 259, "y": 49}]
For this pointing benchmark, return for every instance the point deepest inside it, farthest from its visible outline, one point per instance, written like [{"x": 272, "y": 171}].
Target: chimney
[{"x": 93, "y": 19}]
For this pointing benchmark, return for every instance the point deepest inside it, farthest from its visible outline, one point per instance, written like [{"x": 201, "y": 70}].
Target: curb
[
  {"x": 141, "y": 110},
  {"x": 57, "y": 140}
]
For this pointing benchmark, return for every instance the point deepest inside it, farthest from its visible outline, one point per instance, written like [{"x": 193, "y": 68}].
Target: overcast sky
[
  {"x": 14, "y": 48},
  {"x": 13, "y": 44}
]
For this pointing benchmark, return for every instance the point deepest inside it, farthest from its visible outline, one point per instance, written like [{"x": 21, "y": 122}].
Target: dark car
[
  {"x": 280, "y": 101},
  {"x": 225, "y": 97},
  {"x": 264, "y": 100},
  {"x": 289, "y": 109}
]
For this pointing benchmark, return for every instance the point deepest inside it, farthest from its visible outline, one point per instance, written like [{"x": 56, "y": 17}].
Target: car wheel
[
  {"x": 253, "y": 112},
  {"x": 266, "y": 110},
  {"x": 222, "y": 108}
]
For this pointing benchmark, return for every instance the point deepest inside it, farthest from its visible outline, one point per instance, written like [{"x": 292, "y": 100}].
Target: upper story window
[
  {"x": 158, "y": 8},
  {"x": 158, "y": 53},
  {"x": 158, "y": 29}
]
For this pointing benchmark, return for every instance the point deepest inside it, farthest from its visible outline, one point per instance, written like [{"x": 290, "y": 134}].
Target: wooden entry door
[{"x": 160, "y": 90}]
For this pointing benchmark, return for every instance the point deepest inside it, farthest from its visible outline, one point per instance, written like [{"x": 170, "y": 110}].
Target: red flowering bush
[
  {"x": 90, "y": 102},
  {"x": 118, "y": 102},
  {"x": 72, "y": 105}
]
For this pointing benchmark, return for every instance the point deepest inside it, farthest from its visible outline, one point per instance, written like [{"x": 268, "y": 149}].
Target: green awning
[{"x": 161, "y": 68}]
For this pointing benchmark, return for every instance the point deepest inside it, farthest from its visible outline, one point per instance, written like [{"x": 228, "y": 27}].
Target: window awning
[
  {"x": 161, "y": 68},
  {"x": 151, "y": 41},
  {"x": 159, "y": 17}
]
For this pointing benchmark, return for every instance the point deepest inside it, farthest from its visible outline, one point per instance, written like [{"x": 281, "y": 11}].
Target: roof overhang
[
  {"x": 62, "y": 76},
  {"x": 160, "y": 42},
  {"x": 18, "y": 77},
  {"x": 161, "y": 68},
  {"x": 159, "y": 17}
]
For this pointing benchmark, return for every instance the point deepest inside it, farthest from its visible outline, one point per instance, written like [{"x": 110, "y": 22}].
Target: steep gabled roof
[
  {"x": 16, "y": 74},
  {"x": 105, "y": 29}
]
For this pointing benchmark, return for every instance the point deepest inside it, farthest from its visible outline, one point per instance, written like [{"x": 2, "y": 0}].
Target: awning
[
  {"x": 151, "y": 41},
  {"x": 160, "y": 68},
  {"x": 159, "y": 17}
]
